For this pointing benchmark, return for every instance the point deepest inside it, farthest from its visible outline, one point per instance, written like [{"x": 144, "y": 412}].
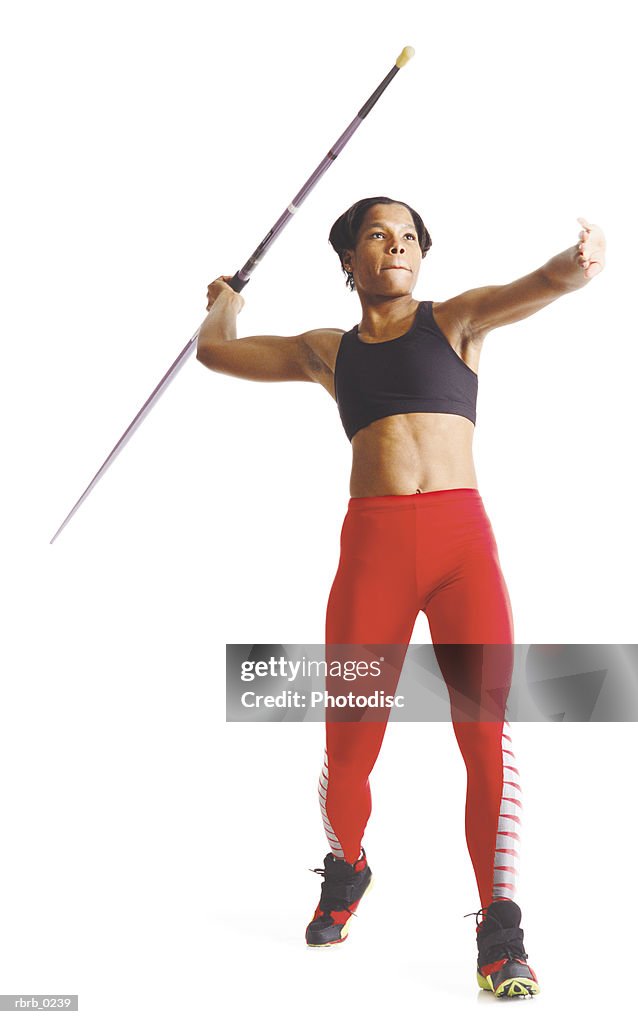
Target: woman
[{"x": 415, "y": 537}]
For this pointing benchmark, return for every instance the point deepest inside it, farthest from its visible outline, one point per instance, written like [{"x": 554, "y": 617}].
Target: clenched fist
[{"x": 219, "y": 287}]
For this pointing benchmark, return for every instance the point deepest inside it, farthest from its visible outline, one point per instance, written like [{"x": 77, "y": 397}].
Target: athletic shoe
[
  {"x": 341, "y": 891},
  {"x": 502, "y": 961}
]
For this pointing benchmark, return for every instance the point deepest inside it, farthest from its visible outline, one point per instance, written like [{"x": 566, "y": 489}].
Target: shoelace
[
  {"x": 329, "y": 889},
  {"x": 475, "y": 914},
  {"x": 505, "y": 941}
]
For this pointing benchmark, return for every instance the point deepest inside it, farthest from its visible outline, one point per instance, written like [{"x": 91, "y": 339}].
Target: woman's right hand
[{"x": 219, "y": 287}]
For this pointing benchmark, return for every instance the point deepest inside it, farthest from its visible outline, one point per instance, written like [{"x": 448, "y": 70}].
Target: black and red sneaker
[
  {"x": 341, "y": 891},
  {"x": 502, "y": 966}
]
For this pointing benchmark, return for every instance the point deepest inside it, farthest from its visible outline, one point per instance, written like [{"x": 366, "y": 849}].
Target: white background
[{"x": 153, "y": 858}]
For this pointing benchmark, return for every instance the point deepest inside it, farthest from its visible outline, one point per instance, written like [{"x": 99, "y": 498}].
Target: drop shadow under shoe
[
  {"x": 341, "y": 890},
  {"x": 502, "y": 966}
]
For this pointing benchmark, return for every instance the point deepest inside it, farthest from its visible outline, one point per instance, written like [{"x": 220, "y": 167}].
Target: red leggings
[{"x": 433, "y": 552}]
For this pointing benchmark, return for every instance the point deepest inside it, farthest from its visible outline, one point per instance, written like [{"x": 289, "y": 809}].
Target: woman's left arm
[{"x": 482, "y": 309}]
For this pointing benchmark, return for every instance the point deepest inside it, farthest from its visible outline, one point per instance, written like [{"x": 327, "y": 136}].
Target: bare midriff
[{"x": 412, "y": 453}]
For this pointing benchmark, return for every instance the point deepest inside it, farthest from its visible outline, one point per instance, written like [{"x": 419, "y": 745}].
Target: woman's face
[{"x": 387, "y": 256}]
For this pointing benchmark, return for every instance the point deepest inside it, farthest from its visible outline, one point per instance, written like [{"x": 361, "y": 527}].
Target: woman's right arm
[{"x": 265, "y": 358}]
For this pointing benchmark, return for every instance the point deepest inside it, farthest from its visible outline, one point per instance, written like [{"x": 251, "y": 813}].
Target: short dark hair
[{"x": 344, "y": 231}]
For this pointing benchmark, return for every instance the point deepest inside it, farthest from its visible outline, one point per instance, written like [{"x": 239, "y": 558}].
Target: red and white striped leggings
[{"x": 435, "y": 552}]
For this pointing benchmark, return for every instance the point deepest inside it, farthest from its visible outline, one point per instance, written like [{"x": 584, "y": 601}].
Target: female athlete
[{"x": 416, "y": 537}]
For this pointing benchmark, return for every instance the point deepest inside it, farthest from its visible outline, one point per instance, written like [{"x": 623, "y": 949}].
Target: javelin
[{"x": 242, "y": 276}]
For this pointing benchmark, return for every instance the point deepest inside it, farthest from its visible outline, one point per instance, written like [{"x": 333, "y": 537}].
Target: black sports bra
[{"x": 417, "y": 372}]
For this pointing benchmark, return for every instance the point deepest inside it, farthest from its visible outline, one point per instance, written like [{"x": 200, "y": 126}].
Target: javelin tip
[{"x": 407, "y": 53}]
